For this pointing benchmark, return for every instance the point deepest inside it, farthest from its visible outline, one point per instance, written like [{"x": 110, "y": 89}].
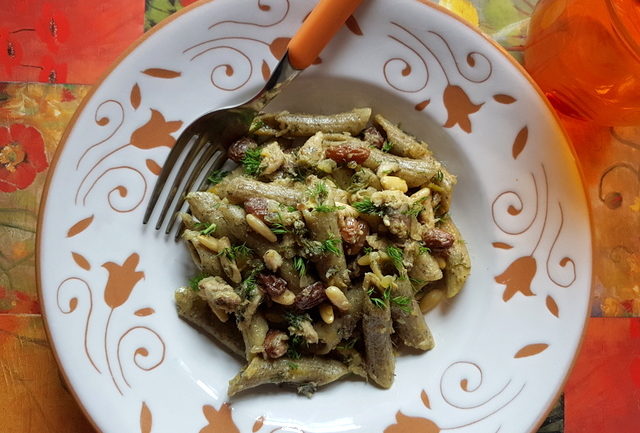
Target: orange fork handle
[{"x": 317, "y": 30}]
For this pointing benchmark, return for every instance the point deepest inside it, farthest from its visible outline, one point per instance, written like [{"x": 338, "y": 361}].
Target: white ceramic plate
[{"x": 504, "y": 346}]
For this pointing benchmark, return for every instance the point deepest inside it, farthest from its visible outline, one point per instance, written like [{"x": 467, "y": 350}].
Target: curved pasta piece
[
  {"x": 305, "y": 371},
  {"x": 195, "y": 310},
  {"x": 402, "y": 144},
  {"x": 305, "y": 125},
  {"x": 458, "y": 262},
  {"x": 409, "y": 324},
  {"x": 376, "y": 330},
  {"x": 240, "y": 189}
]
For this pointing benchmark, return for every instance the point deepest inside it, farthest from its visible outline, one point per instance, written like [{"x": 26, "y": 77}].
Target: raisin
[
  {"x": 257, "y": 207},
  {"x": 239, "y": 148},
  {"x": 310, "y": 296},
  {"x": 373, "y": 137},
  {"x": 437, "y": 239},
  {"x": 275, "y": 344},
  {"x": 272, "y": 284},
  {"x": 353, "y": 233},
  {"x": 346, "y": 153}
]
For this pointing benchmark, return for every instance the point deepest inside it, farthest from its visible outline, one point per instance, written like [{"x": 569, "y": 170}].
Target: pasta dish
[{"x": 320, "y": 253}]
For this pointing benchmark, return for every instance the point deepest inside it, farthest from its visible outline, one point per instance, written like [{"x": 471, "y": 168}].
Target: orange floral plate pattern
[{"x": 504, "y": 346}]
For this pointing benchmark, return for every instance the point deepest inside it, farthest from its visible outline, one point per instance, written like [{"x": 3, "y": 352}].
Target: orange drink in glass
[{"x": 585, "y": 55}]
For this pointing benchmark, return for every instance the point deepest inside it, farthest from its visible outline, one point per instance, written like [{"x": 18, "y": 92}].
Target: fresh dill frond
[
  {"x": 367, "y": 206},
  {"x": 331, "y": 246},
  {"x": 367, "y": 250},
  {"x": 216, "y": 176},
  {"x": 193, "y": 282},
  {"x": 236, "y": 251},
  {"x": 387, "y": 146},
  {"x": 248, "y": 285},
  {"x": 397, "y": 257},
  {"x": 379, "y": 302},
  {"x": 300, "y": 266},
  {"x": 417, "y": 281},
  {"x": 255, "y": 125},
  {"x": 278, "y": 227},
  {"x": 423, "y": 249},
  {"x": 252, "y": 160},
  {"x": 414, "y": 210},
  {"x": 403, "y": 302},
  {"x": 292, "y": 365},
  {"x": 291, "y": 208},
  {"x": 439, "y": 176},
  {"x": 295, "y": 320},
  {"x": 319, "y": 191}
]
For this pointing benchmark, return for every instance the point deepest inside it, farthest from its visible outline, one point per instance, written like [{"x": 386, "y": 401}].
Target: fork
[{"x": 204, "y": 142}]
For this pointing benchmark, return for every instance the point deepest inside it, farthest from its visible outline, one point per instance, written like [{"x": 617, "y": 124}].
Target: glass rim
[{"x": 621, "y": 24}]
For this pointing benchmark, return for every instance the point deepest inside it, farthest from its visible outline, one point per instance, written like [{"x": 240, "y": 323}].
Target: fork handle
[{"x": 316, "y": 31}]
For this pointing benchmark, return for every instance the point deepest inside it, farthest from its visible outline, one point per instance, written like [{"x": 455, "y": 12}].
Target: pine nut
[
  {"x": 272, "y": 259},
  {"x": 394, "y": 183},
  {"x": 326, "y": 313},
  {"x": 430, "y": 300},
  {"x": 337, "y": 298},
  {"x": 442, "y": 263},
  {"x": 260, "y": 227},
  {"x": 210, "y": 243},
  {"x": 287, "y": 298}
]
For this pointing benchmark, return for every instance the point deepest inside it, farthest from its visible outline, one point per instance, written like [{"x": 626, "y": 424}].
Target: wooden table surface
[{"x": 48, "y": 44}]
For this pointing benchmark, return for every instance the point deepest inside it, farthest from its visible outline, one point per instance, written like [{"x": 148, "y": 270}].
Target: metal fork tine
[
  {"x": 215, "y": 162},
  {"x": 173, "y": 156},
  {"x": 197, "y": 170},
  {"x": 186, "y": 164}
]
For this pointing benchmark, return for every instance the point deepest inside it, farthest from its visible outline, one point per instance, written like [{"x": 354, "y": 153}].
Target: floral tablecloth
[{"x": 52, "y": 51}]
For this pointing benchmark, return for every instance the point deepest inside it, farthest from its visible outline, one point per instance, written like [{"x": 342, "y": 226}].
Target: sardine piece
[
  {"x": 312, "y": 371},
  {"x": 195, "y": 310},
  {"x": 377, "y": 329}
]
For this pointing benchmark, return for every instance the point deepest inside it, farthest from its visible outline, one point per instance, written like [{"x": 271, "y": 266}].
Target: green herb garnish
[
  {"x": 367, "y": 250},
  {"x": 216, "y": 176},
  {"x": 367, "y": 206},
  {"x": 423, "y": 249},
  {"x": 319, "y": 191},
  {"x": 252, "y": 160},
  {"x": 208, "y": 229},
  {"x": 292, "y": 365},
  {"x": 248, "y": 285},
  {"x": 300, "y": 266},
  {"x": 397, "y": 256},
  {"x": 278, "y": 227},
  {"x": 255, "y": 125},
  {"x": 331, "y": 246},
  {"x": 236, "y": 251},
  {"x": 439, "y": 176},
  {"x": 403, "y": 302},
  {"x": 380, "y": 302},
  {"x": 387, "y": 146},
  {"x": 193, "y": 282}
]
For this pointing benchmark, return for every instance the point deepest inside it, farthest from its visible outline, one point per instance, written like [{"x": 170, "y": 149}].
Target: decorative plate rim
[{"x": 191, "y": 8}]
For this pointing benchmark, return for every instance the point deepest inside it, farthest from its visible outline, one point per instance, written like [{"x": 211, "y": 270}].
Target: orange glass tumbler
[{"x": 585, "y": 56}]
